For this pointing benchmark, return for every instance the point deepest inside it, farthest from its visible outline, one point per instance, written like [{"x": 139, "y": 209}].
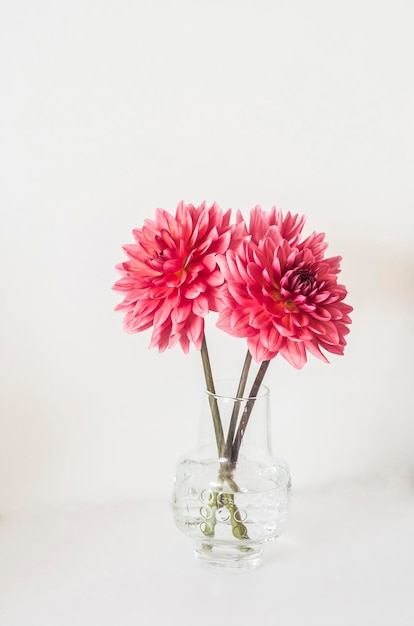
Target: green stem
[
  {"x": 247, "y": 411},
  {"x": 218, "y": 427},
  {"x": 236, "y": 407}
]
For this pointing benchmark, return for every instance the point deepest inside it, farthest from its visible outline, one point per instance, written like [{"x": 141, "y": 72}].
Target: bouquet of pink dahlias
[{"x": 268, "y": 286}]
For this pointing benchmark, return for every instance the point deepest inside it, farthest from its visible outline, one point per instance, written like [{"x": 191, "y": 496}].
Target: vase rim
[{"x": 262, "y": 392}]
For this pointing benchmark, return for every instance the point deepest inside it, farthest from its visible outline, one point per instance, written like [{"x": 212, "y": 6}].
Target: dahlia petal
[
  {"x": 327, "y": 330},
  {"x": 161, "y": 336},
  {"x": 285, "y": 325},
  {"x": 122, "y": 306},
  {"x": 174, "y": 282},
  {"x": 271, "y": 339},
  {"x": 277, "y": 269},
  {"x": 139, "y": 267},
  {"x": 225, "y": 217},
  {"x": 321, "y": 297},
  {"x": 133, "y": 251},
  {"x": 272, "y": 240},
  {"x": 215, "y": 301},
  {"x": 257, "y": 350},
  {"x": 132, "y": 324},
  {"x": 205, "y": 244},
  {"x": 194, "y": 289},
  {"x": 290, "y": 226},
  {"x": 195, "y": 328},
  {"x": 345, "y": 319},
  {"x": 144, "y": 307},
  {"x": 305, "y": 334},
  {"x": 258, "y": 318},
  {"x": 230, "y": 267},
  {"x": 342, "y": 329},
  {"x": 209, "y": 262},
  {"x": 294, "y": 352},
  {"x": 315, "y": 244},
  {"x": 259, "y": 223},
  {"x": 334, "y": 263},
  {"x": 181, "y": 313},
  {"x": 224, "y": 320},
  {"x": 169, "y": 224},
  {"x": 162, "y": 291},
  {"x": 215, "y": 279},
  {"x": 301, "y": 300},
  {"x": 324, "y": 315},
  {"x": 270, "y": 303},
  {"x": 316, "y": 326},
  {"x": 313, "y": 348},
  {"x": 255, "y": 272},
  {"x": 241, "y": 269},
  {"x": 223, "y": 243},
  {"x": 334, "y": 312},
  {"x": 226, "y": 298},
  {"x": 239, "y": 234},
  {"x": 200, "y": 306},
  {"x": 162, "y": 314},
  {"x": 239, "y": 323},
  {"x": 237, "y": 291},
  {"x": 334, "y": 349},
  {"x": 167, "y": 238},
  {"x": 345, "y": 308},
  {"x": 184, "y": 343}
]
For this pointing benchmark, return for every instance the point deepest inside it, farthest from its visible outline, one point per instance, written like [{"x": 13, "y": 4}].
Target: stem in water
[{"x": 247, "y": 411}]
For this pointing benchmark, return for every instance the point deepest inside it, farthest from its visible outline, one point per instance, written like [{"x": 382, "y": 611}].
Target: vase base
[{"x": 229, "y": 558}]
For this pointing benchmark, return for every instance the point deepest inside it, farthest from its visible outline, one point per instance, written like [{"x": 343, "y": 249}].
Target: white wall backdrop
[{"x": 110, "y": 109}]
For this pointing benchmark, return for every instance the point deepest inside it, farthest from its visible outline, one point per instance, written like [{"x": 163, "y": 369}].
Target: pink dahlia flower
[
  {"x": 171, "y": 280},
  {"x": 282, "y": 294}
]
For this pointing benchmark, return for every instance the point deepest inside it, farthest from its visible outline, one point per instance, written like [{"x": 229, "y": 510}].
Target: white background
[{"x": 110, "y": 109}]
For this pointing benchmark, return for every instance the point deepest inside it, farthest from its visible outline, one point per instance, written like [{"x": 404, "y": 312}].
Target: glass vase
[{"x": 230, "y": 493}]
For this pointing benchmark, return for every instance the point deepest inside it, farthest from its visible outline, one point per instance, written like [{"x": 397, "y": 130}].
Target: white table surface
[{"x": 347, "y": 558}]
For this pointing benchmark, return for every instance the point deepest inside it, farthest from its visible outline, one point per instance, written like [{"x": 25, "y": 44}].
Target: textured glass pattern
[{"x": 229, "y": 526}]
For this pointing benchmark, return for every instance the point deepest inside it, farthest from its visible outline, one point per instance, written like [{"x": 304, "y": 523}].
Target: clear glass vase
[{"x": 230, "y": 494}]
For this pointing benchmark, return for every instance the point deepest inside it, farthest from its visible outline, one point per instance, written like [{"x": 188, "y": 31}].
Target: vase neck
[{"x": 234, "y": 427}]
